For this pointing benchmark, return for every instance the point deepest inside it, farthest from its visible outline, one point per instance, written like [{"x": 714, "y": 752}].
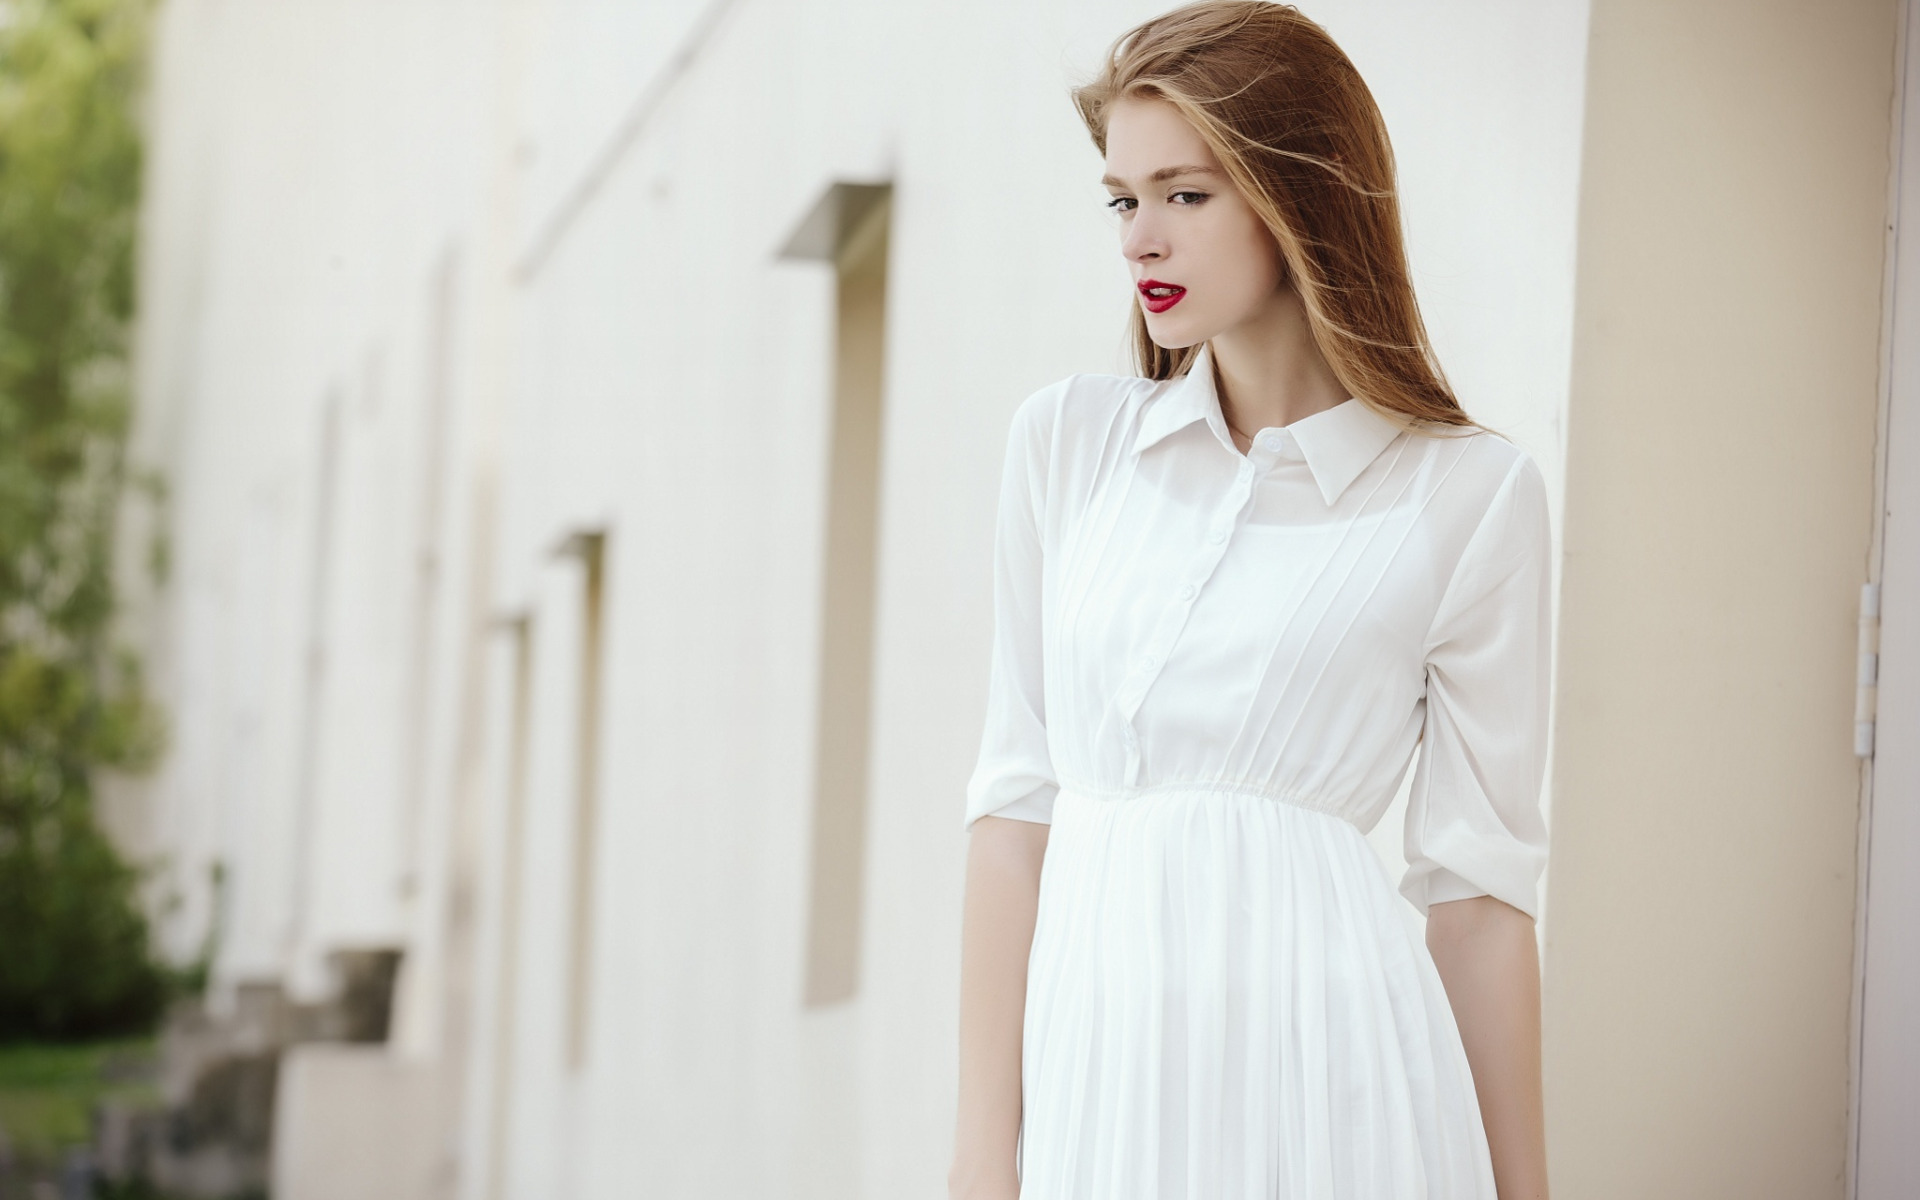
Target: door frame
[{"x": 1883, "y": 1157}]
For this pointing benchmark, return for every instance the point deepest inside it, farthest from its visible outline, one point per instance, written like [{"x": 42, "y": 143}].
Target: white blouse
[{"x": 1290, "y": 623}]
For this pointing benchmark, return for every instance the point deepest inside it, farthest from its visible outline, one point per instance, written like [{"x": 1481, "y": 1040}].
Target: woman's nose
[{"x": 1142, "y": 241}]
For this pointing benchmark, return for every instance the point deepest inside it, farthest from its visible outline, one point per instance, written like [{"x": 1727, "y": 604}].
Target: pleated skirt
[{"x": 1227, "y": 1000}]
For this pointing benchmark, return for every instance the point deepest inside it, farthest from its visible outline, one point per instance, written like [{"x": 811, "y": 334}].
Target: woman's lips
[{"x": 1159, "y": 297}]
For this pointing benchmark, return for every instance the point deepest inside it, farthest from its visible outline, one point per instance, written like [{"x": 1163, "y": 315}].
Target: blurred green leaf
[{"x": 75, "y": 959}]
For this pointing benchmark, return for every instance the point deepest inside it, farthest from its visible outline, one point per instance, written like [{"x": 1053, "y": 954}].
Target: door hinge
[{"x": 1866, "y": 688}]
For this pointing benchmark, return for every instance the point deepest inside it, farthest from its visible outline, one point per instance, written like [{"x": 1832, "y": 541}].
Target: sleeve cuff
[
  {"x": 1444, "y": 885},
  {"x": 1035, "y": 806}
]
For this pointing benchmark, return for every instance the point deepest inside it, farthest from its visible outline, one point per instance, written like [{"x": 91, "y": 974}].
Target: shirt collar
[{"x": 1338, "y": 443}]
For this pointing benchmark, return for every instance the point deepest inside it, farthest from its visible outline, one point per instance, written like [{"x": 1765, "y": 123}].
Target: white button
[
  {"x": 1218, "y": 534},
  {"x": 1126, "y": 735},
  {"x": 1148, "y": 662},
  {"x": 1272, "y": 441},
  {"x": 1189, "y": 592}
]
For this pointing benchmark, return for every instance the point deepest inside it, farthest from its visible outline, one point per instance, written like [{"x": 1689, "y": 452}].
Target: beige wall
[{"x": 1720, "y": 453}]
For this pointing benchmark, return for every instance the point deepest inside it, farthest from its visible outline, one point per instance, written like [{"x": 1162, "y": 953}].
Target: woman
[{"x": 1231, "y": 595}]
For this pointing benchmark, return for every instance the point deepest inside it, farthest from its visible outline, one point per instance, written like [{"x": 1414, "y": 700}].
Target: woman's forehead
[{"x": 1152, "y": 140}]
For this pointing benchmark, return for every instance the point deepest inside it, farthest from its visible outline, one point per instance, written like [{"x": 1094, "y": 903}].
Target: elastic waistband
[{"x": 1320, "y": 804}]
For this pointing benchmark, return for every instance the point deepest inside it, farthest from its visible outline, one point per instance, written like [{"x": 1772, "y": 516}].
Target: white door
[{"x": 1887, "y": 1074}]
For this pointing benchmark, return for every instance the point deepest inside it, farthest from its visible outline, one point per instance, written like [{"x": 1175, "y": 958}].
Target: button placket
[{"x": 1173, "y": 618}]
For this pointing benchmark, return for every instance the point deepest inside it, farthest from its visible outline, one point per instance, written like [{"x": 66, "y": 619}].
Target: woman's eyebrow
[{"x": 1164, "y": 174}]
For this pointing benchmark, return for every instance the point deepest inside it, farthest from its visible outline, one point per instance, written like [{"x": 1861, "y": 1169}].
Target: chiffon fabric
[{"x": 1210, "y": 672}]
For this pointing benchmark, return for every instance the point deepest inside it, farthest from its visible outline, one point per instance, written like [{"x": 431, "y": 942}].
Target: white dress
[{"x": 1210, "y": 672}]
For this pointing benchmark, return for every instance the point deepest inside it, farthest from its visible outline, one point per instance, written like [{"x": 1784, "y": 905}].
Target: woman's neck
[{"x": 1269, "y": 371}]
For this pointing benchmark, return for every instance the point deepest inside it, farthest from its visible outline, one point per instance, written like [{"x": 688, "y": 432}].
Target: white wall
[
  {"x": 303, "y": 179},
  {"x": 629, "y": 354}
]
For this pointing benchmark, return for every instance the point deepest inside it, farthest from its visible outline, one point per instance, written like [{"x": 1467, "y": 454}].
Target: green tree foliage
[{"x": 74, "y": 954}]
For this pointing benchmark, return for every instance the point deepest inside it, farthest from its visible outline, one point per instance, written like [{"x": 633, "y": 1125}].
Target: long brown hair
[{"x": 1299, "y": 134}]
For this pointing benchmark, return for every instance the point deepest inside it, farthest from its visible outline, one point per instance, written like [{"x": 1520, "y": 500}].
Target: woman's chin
[{"x": 1173, "y": 335}]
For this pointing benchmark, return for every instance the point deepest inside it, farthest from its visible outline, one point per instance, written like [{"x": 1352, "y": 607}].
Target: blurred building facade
[{"x": 582, "y": 422}]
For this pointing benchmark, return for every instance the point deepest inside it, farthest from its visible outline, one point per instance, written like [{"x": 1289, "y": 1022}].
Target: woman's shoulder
[
  {"x": 1489, "y": 459},
  {"x": 1499, "y": 495},
  {"x": 1488, "y": 490},
  {"x": 1085, "y": 403},
  {"x": 1082, "y": 394}
]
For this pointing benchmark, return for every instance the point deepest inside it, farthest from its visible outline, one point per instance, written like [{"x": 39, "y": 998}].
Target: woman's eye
[
  {"x": 1118, "y": 203},
  {"x": 1197, "y": 197}
]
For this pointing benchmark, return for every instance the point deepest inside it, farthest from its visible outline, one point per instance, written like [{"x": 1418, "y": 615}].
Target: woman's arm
[
  {"x": 1002, "y": 896},
  {"x": 1490, "y": 964}
]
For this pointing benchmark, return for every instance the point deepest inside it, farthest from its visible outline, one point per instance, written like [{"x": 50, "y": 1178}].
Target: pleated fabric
[
  {"x": 1211, "y": 671},
  {"x": 1224, "y": 1002}
]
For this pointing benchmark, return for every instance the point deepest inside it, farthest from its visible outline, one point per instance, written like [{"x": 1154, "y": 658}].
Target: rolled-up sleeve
[
  {"x": 1014, "y": 776},
  {"x": 1474, "y": 821}
]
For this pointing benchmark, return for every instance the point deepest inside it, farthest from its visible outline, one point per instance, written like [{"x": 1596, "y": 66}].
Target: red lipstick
[{"x": 1158, "y": 296}]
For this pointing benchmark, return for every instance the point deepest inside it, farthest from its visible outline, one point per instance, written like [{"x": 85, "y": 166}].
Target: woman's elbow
[{"x": 1006, "y": 846}]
